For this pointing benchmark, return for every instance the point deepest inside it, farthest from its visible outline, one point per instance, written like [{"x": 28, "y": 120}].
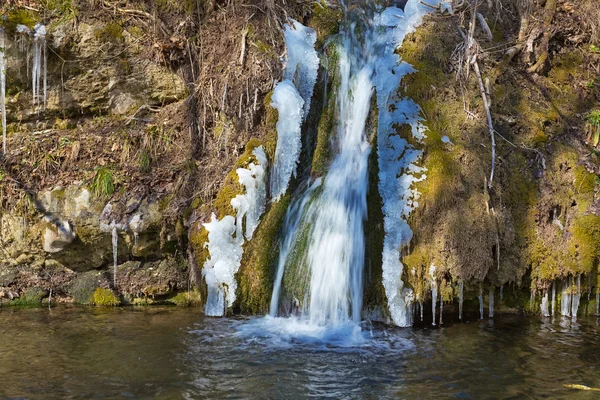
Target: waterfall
[
  {"x": 226, "y": 236},
  {"x": 3, "y": 88},
  {"x": 323, "y": 249},
  {"x": 501, "y": 292},
  {"x": 461, "y": 287},
  {"x": 491, "y": 305},
  {"x": 39, "y": 65}
]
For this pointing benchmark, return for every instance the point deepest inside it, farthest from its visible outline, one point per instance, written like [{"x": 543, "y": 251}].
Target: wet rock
[{"x": 57, "y": 236}]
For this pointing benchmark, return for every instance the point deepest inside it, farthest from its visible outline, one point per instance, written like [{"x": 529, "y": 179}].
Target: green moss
[
  {"x": 259, "y": 261},
  {"x": 19, "y": 16},
  {"x": 105, "y": 298},
  {"x": 325, "y": 20},
  {"x": 111, "y": 33},
  {"x": 30, "y": 297},
  {"x": 191, "y": 298},
  {"x": 83, "y": 287},
  {"x": 322, "y": 154}
]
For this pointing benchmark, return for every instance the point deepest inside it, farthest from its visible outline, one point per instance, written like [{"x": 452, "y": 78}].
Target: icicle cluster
[
  {"x": 291, "y": 98},
  {"x": 39, "y": 66},
  {"x": 226, "y": 237},
  {"x": 3, "y": 88},
  {"x": 397, "y": 158}
]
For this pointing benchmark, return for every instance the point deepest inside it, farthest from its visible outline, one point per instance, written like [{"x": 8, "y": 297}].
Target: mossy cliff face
[{"x": 538, "y": 222}]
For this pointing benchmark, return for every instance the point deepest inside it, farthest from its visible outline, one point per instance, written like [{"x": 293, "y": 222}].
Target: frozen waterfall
[
  {"x": 291, "y": 98},
  {"x": 324, "y": 246},
  {"x": 226, "y": 236}
]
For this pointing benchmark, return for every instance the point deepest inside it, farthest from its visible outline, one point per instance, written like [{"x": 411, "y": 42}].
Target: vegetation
[
  {"x": 102, "y": 183},
  {"x": 105, "y": 298}
]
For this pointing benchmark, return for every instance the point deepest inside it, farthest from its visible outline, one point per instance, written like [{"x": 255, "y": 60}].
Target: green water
[{"x": 171, "y": 353}]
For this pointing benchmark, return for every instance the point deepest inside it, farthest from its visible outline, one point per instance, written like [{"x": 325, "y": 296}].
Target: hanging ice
[
  {"x": 288, "y": 103},
  {"x": 480, "y": 298},
  {"x": 553, "y": 296},
  {"x": 291, "y": 98},
  {"x": 441, "y": 307},
  {"x": 433, "y": 292},
  {"x": 302, "y": 60},
  {"x": 39, "y": 63},
  {"x": 397, "y": 158},
  {"x": 575, "y": 299},
  {"x": 3, "y": 88},
  {"x": 461, "y": 287},
  {"x": 226, "y": 237},
  {"x": 251, "y": 205},
  {"x": 544, "y": 305},
  {"x": 491, "y": 304},
  {"x": 565, "y": 300},
  {"x": 115, "y": 247}
]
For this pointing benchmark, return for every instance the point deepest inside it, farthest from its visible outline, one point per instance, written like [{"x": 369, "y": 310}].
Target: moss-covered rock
[{"x": 105, "y": 298}]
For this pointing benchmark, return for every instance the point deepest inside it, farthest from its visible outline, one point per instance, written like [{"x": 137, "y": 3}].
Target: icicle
[
  {"x": 433, "y": 292},
  {"x": 441, "y": 307},
  {"x": 3, "y": 88},
  {"x": 553, "y": 296},
  {"x": 501, "y": 292},
  {"x": 480, "y": 298},
  {"x": 491, "y": 305},
  {"x": 115, "y": 246},
  {"x": 226, "y": 237},
  {"x": 288, "y": 103},
  {"x": 421, "y": 308},
  {"x": 544, "y": 305},
  {"x": 461, "y": 287},
  {"x": 39, "y": 64},
  {"x": 565, "y": 301},
  {"x": 575, "y": 299}
]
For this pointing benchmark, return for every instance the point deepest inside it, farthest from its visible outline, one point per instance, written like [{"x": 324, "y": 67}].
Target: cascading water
[
  {"x": 575, "y": 299},
  {"x": 480, "y": 297},
  {"x": 491, "y": 302},
  {"x": 115, "y": 247},
  {"x": 553, "y": 297},
  {"x": 324, "y": 241}
]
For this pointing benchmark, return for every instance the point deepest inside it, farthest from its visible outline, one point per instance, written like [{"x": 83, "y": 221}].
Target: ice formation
[
  {"x": 3, "y": 88},
  {"x": 226, "y": 236},
  {"x": 397, "y": 158},
  {"x": 433, "y": 291},
  {"x": 544, "y": 305},
  {"x": 565, "y": 300},
  {"x": 553, "y": 297},
  {"x": 491, "y": 304},
  {"x": 288, "y": 103},
  {"x": 291, "y": 98},
  {"x": 480, "y": 297},
  {"x": 115, "y": 248},
  {"x": 461, "y": 288},
  {"x": 575, "y": 299},
  {"x": 302, "y": 60},
  {"x": 39, "y": 66}
]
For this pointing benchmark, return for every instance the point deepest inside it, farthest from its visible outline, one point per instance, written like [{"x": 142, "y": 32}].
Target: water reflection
[{"x": 169, "y": 353}]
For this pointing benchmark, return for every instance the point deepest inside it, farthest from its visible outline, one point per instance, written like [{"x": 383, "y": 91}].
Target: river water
[{"x": 171, "y": 353}]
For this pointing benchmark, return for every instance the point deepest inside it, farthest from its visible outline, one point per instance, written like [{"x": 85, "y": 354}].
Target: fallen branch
[{"x": 142, "y": 108}]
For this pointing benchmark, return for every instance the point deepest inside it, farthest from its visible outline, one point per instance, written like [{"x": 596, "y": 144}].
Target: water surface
[{"x": 172, "y": 353}]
